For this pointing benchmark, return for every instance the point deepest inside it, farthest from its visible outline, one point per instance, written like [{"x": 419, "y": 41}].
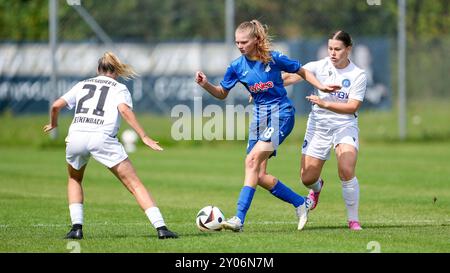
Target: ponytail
[{"x": 111, "y": 63}]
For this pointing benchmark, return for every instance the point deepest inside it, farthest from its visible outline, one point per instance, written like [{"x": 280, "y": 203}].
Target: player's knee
[
  {"x": 261, "y": 176},
  {"x": 76, "y": 179},
  {"x": 251, "y": 163},
  {"x": 308, "y": 178},
  {"x": 346, "y": 174}
]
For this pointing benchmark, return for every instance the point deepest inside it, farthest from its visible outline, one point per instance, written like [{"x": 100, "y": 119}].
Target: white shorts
[
  {"x": 318, "y": 142},
  {"x": 103, "y": 148}
]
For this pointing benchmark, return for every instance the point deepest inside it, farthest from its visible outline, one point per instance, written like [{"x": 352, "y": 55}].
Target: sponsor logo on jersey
[
  {"x": 346, "y": 83},
  {"x": 261, "y": 87},
  {"x": 340, "y": 95}
]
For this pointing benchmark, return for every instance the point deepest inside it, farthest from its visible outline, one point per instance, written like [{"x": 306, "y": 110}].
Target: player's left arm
[
  {"x": 309, "y": 77},
  {"x": 350, "y": 107},
  {"x": 129, "y": 116},
  {"x": 54, "y": 113}
]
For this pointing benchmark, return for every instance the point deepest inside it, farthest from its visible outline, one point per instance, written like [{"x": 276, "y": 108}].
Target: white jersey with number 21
[{"x": 95, "y": 101}]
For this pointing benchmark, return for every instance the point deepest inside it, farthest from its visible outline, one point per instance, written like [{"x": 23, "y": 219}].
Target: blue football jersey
[{"x": 263, "y": 81}]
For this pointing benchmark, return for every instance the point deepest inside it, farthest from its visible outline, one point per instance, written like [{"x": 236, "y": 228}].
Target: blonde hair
[
  {"x": 260, "y": 32},
  {"x": 109, "y": 62}
]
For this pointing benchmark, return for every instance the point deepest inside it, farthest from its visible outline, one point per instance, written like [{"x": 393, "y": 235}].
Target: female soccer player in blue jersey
[{"x": 259, "y": 70}]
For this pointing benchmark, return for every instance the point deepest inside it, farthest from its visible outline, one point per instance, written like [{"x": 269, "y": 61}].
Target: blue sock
[
  {"x": 245, "y": 199},
  {"x": 286, "y": 194}
]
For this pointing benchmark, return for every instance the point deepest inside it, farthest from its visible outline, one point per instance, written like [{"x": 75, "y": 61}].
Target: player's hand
[
  {"x": 201, "y": 78},
  {"x": 316, "y": 100},
  {"x": 48, "y": 128},
  {"x": 330, "y": 88},
  {"x": 152, "y": 144}
]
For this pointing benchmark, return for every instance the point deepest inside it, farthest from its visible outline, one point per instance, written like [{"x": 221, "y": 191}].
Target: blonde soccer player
[
  {"x": 99, "y": 103},
  {"x": 259, "y": 70}
]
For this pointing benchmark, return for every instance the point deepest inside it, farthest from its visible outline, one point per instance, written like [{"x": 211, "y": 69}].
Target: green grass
[
  {"x": 405, "y": 191},
  {"x": 399, "y": 183}
]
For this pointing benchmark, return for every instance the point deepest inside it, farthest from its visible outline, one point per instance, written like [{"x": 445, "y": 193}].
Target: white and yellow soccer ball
[{"x": 210, "y": 218}]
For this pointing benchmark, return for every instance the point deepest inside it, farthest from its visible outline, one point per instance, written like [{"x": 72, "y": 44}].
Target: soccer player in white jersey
[
  {"x": 98, "y": 102},
  {"x": 333, "y": 122}
]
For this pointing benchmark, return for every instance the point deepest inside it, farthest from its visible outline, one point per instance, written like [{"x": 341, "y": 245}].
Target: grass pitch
[{"x": 404, "y": 206}]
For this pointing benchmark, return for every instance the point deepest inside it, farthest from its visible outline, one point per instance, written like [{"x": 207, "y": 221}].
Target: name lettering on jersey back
[
  {"x": 261, "y": 87},
  {"x": 97, "y": 121},
  {"x": 107, "y": 82}
]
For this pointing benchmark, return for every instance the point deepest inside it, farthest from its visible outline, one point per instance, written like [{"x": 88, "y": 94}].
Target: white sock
[
  {"x": 316, "y": 186},
  {"x": 155, "y": 217},
  {"x": 76, "y": 213},
  {"x": 350, "y": 192}
]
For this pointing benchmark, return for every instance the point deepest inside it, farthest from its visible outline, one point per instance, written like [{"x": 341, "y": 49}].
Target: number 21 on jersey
[{"x": 98, "y": 111}]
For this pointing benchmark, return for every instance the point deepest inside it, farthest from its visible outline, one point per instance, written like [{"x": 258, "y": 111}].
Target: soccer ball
[{"x": 210, "y": 218}]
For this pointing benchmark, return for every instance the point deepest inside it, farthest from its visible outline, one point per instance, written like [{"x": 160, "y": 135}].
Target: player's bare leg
[{"x": 126, "y": 173}]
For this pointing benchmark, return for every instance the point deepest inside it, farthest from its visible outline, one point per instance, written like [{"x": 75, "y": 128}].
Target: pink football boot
[
  {"x": 354, "y": 225},
  {"x": 314, "y": 196}
]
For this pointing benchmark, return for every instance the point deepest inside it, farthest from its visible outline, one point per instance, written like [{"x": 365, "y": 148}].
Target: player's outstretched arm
[
  {"x": 216, "y": 91},
  {"x": 349, "y": 107},
  {"x": 54, "y": 112},
  {"x": 309, "y": 77},
  {"x": 290, "y": 78},
  {"x": 128, "y": 115}
]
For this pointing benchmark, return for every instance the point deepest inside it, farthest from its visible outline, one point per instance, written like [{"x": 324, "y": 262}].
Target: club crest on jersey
[
  {"x": 261, "y": 86},
  {"x": 305, "y": 143},
  {"x": 346, "y": 83}
]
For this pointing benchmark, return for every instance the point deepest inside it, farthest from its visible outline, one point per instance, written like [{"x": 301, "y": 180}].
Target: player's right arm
[
  {"x": 54, "y": 112},
  {"x": 215, "y": 90},
  {"x": 290, "y": 78}
]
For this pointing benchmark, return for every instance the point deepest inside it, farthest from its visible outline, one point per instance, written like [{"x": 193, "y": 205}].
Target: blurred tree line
[
  {"x": 175, "y": 20},
  {"x": 152, "y": 21}
]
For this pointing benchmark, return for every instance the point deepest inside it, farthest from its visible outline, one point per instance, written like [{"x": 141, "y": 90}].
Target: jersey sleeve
[
  {"x": 71, "y": 97},
  {"x": 359, "y": 88},
  {"x": 230, "y": 79},
  {"x": 311, "y": 67},
  {"x": 285, "y": 63},
  {"x": 124, "y": 96}
]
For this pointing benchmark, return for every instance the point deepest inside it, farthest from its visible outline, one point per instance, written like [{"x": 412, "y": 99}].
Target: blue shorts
[{"x": 275, "y": 132}]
